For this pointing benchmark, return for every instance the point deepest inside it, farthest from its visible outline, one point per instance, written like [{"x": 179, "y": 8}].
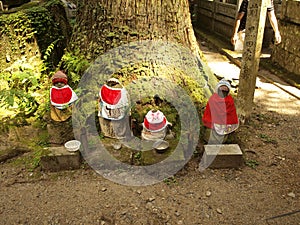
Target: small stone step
[
  {"x": 59, "y": 159},
  {"x": 223, "y": 156}
]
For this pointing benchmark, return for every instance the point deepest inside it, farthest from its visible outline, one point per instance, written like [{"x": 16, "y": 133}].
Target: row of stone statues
[{"x": 219, "y": 118}]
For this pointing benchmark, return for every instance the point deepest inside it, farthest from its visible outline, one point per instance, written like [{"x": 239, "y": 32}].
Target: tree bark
[
  {"x": 156, "y": 68},
  {"x": 105, "y": 24}
]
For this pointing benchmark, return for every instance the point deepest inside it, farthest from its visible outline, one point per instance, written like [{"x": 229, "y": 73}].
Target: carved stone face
[
  {"x": 59, "y": 85},
  {"x": 223, "y": 91}
]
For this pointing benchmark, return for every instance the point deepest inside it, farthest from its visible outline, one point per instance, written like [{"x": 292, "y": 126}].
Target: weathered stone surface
[
  {"x": 292, "y": 11},
  {"x": 223, "y": 156},
  {"x": 60, "y": 132},
  {"x": 60, "y": 159},
  {"x": 287, "y": 54}
]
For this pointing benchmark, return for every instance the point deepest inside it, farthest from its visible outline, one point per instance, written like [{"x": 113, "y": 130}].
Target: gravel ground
[{"x": 265, "y": 187}]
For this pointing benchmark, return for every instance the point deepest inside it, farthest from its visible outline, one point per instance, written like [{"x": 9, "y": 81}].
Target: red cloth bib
[
  {"x": 155, "y": 121},
  {"x": 220, "y": 111},
  {"x": 155, "y": 126},
  {"x": 109, "y": 95},
  {"x": 61, "y": 95}
]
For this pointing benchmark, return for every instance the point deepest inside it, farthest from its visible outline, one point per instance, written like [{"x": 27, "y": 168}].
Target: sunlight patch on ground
[
  {"x": 274, "y": 99},
  {"x": 237, "y": 54},
  {"x": 225, "y": 69}
]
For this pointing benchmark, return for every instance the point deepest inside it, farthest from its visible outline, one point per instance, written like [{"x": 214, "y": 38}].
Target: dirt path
[{"x": 267, "y": 186}]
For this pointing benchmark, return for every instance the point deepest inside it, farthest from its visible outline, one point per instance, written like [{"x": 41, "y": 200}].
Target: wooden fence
[{"x": 219, "y": 17}]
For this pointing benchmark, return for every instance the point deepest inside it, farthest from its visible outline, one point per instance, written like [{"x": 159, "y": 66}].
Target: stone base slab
[
  {"x": 59, "y": 159},
  {"x": 223, "y": 156}
]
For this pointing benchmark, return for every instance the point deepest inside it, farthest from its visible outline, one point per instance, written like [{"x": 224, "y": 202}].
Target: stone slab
[
  {"x": 223, "y": 156},
  {"x": 59, "y": 159}
]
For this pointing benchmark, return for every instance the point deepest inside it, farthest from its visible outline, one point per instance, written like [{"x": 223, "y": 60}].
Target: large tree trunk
[
  {"x": 105, "y": 24},
  {"x": 150, "y": 46}
]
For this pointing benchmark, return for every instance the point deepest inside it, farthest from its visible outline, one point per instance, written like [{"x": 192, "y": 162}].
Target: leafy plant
[
  {"x": 33, "y": 43},
  {"x": 252, "y": 163},
  {"x": 267, "y": 139},
  {"x": 22, "y": 87},
  {"x": 74, "y": 65},
  {"x": 138, "y": 155},
  {"x": 31, "y": 161},
  {"x": 50, "y": 49},
  {"x": 170, "y": 180}
]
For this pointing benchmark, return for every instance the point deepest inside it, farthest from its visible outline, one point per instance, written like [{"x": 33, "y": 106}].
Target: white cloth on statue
[{"x": 113, "y": 103}]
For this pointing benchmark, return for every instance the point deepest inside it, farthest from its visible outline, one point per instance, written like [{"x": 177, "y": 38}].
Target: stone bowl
[
  {"x": 73, "y": 145},
  {"x": 160, "y": 146}
]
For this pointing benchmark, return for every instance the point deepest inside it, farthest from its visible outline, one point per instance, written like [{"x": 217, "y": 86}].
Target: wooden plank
[
  {"x": 226, "y": 9},
  {"x": 206, "y": 5},
  {"x": 256, "y": 18},
  {"x": 223, "y": 29},
  {"x": 205, "y": 12},
  {"x": 225, "y": 19}
]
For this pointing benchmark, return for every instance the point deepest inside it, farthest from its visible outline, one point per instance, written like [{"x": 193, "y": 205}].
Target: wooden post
[
  {"x": 213, "y": 16},
  {"x": 256, "y": 18}
]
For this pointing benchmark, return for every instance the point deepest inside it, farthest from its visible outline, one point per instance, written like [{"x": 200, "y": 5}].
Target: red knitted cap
[{"x": 59, "y": 76}]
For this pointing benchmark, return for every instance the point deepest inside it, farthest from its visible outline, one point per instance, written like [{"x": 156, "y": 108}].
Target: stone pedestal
[
  {"x": 60, "y": 132},
  {"x": 59, "y": 159},
  {"x": 222, "y": 156}
]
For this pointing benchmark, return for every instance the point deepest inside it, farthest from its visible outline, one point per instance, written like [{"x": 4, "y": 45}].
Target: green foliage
[
  {"x": 22, "y": 93},
  {"x": 265, "y": 138},
  {"x": 52, "y": 2},
  {"x": 17, "y": 31},
  {"x": 170, "y": 180},
  {"x": 21, "y": 89},
  {"x": 50, "y": 49},
  {"x": 138, "y": 155},
  {"x": 32, "y": 161},
  {"x": 74, "y": 65},
  {"x": 31, "y": 44},
  {"x": 20, "y": 30},
  {"x": 252, "y": 163}
]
